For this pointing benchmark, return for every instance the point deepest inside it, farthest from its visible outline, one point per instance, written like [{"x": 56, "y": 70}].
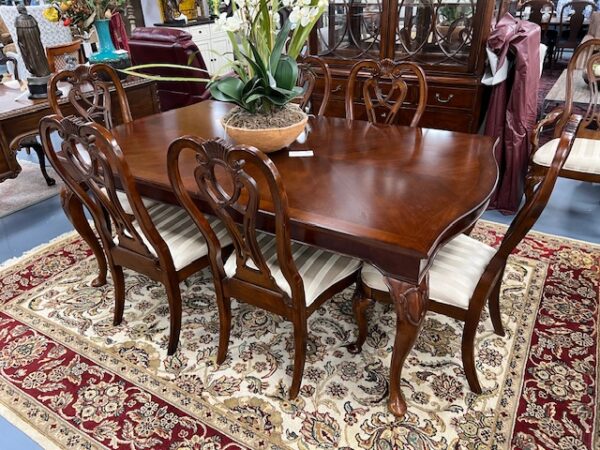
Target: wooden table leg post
[
  {"x": 74, "y": 211},
  {"x": 410, "y": 302}
]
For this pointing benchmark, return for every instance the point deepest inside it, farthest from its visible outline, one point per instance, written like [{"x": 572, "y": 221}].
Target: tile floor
[{"x": 573, "y": 211}]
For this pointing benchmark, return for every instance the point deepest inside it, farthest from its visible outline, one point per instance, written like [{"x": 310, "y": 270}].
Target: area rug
[
  {"x": 27, "y": 189},
  {"x": 71, "y": 379}
]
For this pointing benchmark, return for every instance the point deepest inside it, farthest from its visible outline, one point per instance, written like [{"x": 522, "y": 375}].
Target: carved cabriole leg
[
  {"x": 360, "y": 303},
  {"x": 300, "y": 342},
  {"x": 494, "y": 306},
  {"x": 119, "y": 282},
  {"x": 410, "y": 303},
  {"x": 74, "y": 211},
  {"x": 39, "y": 151}
]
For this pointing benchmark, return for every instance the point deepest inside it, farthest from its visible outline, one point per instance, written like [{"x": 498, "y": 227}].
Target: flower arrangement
[
  {"x": 81, "y": 13},
  {"x": 265, "y": 52}
]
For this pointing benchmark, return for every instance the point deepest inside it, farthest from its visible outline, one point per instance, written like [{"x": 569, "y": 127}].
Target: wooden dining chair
[
  {"x": 59, "y": 55},
  {"x": 310, "y": 69},
  {"x": 88, "y": 91},
  {"x": 465, "y": 273},
  {"x": 540, "y": 12},
  {"x": 386, "y": 101},
  {"x": 155, "y": 239},
  {"x": 271, "y": 272},
  {"x": 583, "y": 163},
  {"x": 571, "y": 22}
]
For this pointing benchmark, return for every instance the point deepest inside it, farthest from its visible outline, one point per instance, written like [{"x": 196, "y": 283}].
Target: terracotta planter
[{"x": 266, "y": 139}]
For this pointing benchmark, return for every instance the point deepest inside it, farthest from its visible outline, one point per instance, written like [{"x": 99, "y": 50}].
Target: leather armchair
[{"x": 157, "y": 45}]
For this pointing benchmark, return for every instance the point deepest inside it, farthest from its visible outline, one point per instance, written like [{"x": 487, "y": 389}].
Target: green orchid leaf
[
  {"x": 279, "y": 45},
  {"x": 286, "y": 74}
]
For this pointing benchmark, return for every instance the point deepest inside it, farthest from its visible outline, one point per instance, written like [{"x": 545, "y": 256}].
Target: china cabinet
[{"x": 446, "y": 37}]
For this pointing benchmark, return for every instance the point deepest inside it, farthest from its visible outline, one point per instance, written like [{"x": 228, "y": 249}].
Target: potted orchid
[
  {"x": 265, "y": 76},
  {"x": 263, "y": 71}
]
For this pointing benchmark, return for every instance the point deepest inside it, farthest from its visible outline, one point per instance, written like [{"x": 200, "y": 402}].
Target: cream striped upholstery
[
  {"x": 122, "y": 196},
  {"x": 584, "y": 156},
  {"x": 318, "y": 268},
  {"x": 176, "y": 227},
  {"x": 454, "y": 274}
]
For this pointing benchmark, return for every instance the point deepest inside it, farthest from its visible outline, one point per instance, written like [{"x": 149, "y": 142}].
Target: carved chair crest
[
  {"x": 378, "y": 97},
  {"x": 307, "y": 78},
  {"x": 232, "y": 179}
]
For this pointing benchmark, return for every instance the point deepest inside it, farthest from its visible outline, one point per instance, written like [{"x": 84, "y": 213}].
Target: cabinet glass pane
[
  {"x": 350, "y": 29},
  {"x": 435, "y": 31}
]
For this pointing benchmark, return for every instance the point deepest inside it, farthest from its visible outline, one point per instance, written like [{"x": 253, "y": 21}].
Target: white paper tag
[{"x": 300, "y": 153}]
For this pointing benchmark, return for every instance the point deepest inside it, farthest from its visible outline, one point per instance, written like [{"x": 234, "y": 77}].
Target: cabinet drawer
[
  {"x": 200, "y": 33},
  {"x": 450, "y": 97}
]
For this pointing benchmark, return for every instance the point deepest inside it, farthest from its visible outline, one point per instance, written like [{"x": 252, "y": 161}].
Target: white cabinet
[{"x": 214, "y": 45}]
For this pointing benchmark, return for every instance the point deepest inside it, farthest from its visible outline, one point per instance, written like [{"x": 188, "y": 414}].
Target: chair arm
[
  {"x": 551, "y": 119},
  {"x": 23, "y": 140}
]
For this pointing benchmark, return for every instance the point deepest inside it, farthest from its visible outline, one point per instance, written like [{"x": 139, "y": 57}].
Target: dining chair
[
  {"x": 59, "y": 55},
  {"x": 269, "y": 271},
  {"x": 465, "y": 272},
  {"x": 153, "y": 238},
  {"x": 540, "y": 12},
  {"x": 583, "y": 163},
  {"x": 88, "y": 91},
  {"x": 310, "y": 69},
  {"x": 571, "y": 22},
  {"x": 387, "y": 101}
]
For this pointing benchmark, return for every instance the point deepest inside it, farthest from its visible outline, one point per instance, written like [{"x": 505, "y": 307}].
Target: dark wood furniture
[
  {"x": 18, "y": 118},
  {"x": 466, "y": 273},
  {"x": 386, "y": 105},
  {"x": 583, "y": 163},
  {"x": 58, "y": 54},
  {"x": 267, "y": 271},
  {"x": 310, "y": 68},
  {"x": 340, "y": 198},
  {"x": 155, "y": 239},
  {"x": 570, "y": 27},
  {"x": 540, "y": 12},
  {"x": 446, "y": 37}
]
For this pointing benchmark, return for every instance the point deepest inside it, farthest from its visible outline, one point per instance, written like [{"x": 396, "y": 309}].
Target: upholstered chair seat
[
  {"x": 180, "y": 233},
  {"x": 454, "y": 274},
  {"x": 584, "y": 157},
  {"x": 318, "y": 268}
]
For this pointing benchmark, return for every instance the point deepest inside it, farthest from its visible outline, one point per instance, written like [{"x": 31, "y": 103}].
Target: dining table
[{"x": 390, "y": 195}]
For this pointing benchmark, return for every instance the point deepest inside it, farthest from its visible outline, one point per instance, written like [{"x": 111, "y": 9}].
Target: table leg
[
  {"x": 410, "y": 302},
  {"x": 74, "y": 210}
]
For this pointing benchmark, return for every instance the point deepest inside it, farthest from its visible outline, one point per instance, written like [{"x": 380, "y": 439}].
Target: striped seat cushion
[
  {"x": 318, "y": 268},
  {"x": 122, "y": 196},
  {"x": 584, "y": 156},
  {"x": 454, "y": 274}
]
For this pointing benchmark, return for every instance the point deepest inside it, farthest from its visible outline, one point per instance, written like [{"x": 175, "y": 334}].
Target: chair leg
[
  {"x": 224, "y": 304},
  {"x": 39, "y": 151},
  {"x": 300, "y": 342},
  {"x": 532, "y": 179},
  {"x": 174, "y": 297},
  {"x": 73, "y": 209},
  {"x": 494, "y": 306},
  {"x": 119, "y": 281},
  {"x": 468, "y": 357},
  {"x": 360, "y": 303}
]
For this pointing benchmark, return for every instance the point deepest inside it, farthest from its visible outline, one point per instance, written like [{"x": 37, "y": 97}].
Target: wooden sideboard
[
  {"x": 446, "y": 37},
  {"x": 22, "y": 116}
]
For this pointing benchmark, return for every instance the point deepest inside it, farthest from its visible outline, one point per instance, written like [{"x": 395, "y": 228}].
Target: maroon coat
[{"x": 513, "y": 106}]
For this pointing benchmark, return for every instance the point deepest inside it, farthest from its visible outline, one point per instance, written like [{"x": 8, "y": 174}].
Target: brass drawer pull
[{"x": 443, "y": 100}]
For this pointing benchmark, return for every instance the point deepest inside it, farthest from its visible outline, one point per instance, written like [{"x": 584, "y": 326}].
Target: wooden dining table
[{"x": 389, "y": 195}]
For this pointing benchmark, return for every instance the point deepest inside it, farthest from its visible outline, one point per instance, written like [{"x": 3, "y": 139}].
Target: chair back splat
[
  {"x": 229, "y": 179},
  {"x": 386, "y": 90},
  {"x": 310, "y": 68},
  {"x": 89, "y": 93}
]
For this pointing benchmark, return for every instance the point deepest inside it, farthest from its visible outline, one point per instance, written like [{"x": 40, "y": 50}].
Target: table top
[
  {"x": 367, "y": 188},
  {"x": 581, "y": 91}
]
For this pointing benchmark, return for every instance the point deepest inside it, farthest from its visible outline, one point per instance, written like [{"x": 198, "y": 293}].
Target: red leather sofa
[{"x": 151, "y": 45}]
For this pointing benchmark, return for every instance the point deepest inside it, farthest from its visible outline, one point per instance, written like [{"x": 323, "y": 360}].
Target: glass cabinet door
[
  {"x": 350, "y": 29},
  {"x": 435, "y": 32}
]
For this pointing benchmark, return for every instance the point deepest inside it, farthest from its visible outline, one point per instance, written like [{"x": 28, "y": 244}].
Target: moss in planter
[{"x": 281, "y": 117}]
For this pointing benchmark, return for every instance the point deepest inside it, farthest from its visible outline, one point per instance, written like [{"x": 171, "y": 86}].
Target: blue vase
[{"x": 107, "y": 54}]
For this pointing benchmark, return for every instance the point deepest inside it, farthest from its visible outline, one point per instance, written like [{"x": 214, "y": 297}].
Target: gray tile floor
[{"x": 573, "y": 211}]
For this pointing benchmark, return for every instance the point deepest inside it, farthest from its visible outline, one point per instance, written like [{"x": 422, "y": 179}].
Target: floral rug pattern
[{"x": 69, "y": 375}]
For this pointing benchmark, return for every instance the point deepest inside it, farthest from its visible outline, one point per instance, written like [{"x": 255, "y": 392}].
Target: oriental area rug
[{"x": 72, "y": 380}]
